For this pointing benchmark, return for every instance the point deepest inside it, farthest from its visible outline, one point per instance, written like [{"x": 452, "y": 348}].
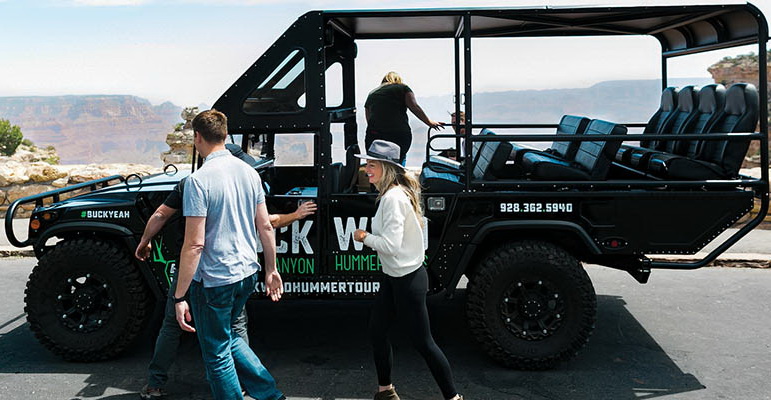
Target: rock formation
[
  {"x": 181, "y": 140},
  {"x": 742, "y": 68},
  {"x": 29, "y": 171}
]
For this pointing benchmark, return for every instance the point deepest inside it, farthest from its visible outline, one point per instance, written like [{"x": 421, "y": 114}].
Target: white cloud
[{"x": 109, "y": 3}]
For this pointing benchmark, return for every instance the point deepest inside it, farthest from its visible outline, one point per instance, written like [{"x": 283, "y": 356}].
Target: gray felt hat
[{"x": 383, "y": 150}]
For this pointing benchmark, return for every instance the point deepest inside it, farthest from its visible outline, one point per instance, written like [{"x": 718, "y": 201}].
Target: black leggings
[
  {"x": 406, "y": 296},
  {"x": 403, "y": 139}
]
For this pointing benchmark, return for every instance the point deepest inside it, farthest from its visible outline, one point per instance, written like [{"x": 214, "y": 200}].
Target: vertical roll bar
[
  {"x": 467, "y": 91},
  {"x": 457, "y": 95}
]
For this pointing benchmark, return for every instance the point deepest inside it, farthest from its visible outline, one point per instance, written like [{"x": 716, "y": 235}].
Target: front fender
[{"x": 115, "y": 231}]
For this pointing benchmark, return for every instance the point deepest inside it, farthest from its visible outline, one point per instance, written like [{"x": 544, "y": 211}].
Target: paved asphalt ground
[{"x": 685, "y": 335}]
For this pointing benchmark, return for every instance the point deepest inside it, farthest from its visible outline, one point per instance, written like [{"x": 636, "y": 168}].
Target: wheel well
[
  {"x": 122, "y": 241},
  {"x": 104, "y": 236},
  {"x": 568, "y": 240}
]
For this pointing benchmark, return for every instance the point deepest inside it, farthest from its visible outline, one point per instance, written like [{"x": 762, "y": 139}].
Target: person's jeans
[
  {"x": 168, "y": 341},
  {"x": 227, "y": 357}
]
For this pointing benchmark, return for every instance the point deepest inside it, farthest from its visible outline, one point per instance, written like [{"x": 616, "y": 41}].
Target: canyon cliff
[{"x": 94, "y": 128}]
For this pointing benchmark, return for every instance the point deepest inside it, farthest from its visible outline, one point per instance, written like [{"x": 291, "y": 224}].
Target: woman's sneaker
[
  {"x": 148, "y": 393},
  {"x": 389, "y": 394}
]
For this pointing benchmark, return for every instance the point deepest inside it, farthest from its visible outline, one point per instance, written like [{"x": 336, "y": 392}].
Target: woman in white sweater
[{"x": 397, "y": 236}]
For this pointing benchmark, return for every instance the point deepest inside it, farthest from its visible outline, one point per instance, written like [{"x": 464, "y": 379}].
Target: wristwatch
[{"x": 178, "y": 300}]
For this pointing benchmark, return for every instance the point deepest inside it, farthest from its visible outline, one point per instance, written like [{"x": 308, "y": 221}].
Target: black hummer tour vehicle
[{"x": 516, "y": 221}]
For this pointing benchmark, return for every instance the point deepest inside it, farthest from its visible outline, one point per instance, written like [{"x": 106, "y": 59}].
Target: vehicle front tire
[
  {"x": 531, "y": 305},
  {"x": 86, "y": 300}
]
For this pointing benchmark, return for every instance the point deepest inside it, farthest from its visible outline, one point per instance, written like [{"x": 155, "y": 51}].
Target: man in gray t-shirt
[{"x": 224, "y": 207}]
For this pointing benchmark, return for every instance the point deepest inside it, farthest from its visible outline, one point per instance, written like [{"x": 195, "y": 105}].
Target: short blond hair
[{"x": 391, "y": 77}]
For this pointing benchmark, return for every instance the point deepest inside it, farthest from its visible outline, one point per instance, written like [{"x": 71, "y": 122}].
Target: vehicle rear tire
[
  {"x": 531, "y": 305},
  {"x": 86, "y": 300}
]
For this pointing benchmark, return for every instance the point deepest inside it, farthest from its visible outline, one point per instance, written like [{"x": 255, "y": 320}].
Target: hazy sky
[{"x": 190, "y": 51}]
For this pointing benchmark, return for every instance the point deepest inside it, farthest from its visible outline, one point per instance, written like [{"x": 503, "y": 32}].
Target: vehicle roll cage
[
  {"x": 760, "y": 186},
  {"x": 327, "y": 37}
]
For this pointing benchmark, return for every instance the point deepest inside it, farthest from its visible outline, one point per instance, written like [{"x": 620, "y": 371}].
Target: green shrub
[
  {"x": 10, "y": 137},
  {"x": 53, "y": 160},
  {"x": 27, "y": 142}
]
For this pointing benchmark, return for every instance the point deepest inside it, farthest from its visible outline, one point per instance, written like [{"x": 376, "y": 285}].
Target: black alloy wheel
[
  {"x": 530, "y": 305},
  {"x": 86, "y": 300}
]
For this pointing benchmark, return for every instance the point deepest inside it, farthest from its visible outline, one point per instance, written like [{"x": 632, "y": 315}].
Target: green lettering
[{"x": 356, "y": 262}]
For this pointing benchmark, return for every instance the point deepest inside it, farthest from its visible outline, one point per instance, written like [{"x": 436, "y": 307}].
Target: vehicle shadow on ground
[{"x": 320, "y": 350}]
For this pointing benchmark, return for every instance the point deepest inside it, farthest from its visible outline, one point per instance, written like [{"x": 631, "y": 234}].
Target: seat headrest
[
  {"x": 239, "y": 153},
  {"x": 669, "y": 99},
  {"x": 600, "y": 127},
  {"x": 572, "y": 124},
  {"x": 350, "y": 154},
  {"x": 688, "y": 99},
  {"x": 711, "y": 98},
  {"x": 739, "y": 97}
]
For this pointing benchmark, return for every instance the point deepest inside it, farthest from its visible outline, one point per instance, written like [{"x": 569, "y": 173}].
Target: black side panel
[
  {"x": 305, "y": 35},
  {"x": 662, "y": 223}
]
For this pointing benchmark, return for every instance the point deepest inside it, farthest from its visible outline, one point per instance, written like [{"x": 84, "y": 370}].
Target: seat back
[
  {"x": 439, "y": 182},
  {"x": 687, "y": 107},
  {"x": 334, "y": 175},
  {"x": 662, "y": 119},
  {"x": 740, "y": 115},
  {"x": 489, "y": 157},
  {"x": 596, "y": 157},
  {"x": 569, "y": 125},
  {"x": 348, "y": 171},
  {"x": 711, "y": 104}
]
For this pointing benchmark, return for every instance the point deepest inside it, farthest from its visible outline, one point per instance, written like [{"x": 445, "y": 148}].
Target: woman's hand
[
  {"x": 435, "y": 125},
  {"x": 359, "y": 235}
]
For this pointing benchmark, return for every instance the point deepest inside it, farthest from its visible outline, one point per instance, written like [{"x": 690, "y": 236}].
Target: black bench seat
[
  {"x": 716, "y": 159},
  {"x": 569, "y": 125},
  {"x": 592, "y": 160},
  {"x": 489, "y": 160},
  {"x": 660, "y": 121}
]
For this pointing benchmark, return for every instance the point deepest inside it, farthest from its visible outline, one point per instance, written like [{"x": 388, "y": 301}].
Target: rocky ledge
[{"x": 31, "y": 171}]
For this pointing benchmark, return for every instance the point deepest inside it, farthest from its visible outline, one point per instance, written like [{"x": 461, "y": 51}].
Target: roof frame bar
[
  {"x": 558, "y": 22},
  {"x": 688, "y": 19},
  {"x": 709, "y": 47},
  {"x": 340, "y": 27},
  {"x": 459, "y": 29}
]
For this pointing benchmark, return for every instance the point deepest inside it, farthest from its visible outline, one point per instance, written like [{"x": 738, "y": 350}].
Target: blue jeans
[
  {"x": 167, "y": 343},
  {"x": 230, "y": 363}
]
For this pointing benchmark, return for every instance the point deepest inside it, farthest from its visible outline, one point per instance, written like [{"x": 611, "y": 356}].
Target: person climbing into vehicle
[
  {"x": 452, "y": 153},
  {"x": 386, "y": 113},
  {"x": 169, "y": 335},
  {"x": 397, "y": 236}
]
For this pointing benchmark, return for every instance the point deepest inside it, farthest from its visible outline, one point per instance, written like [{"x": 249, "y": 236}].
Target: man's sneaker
[
  {"x": 148, "y": 393},
  {"x": 389, "y": 394}
]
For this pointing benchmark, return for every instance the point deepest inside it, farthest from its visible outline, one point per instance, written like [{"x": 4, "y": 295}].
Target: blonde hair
[
  {"x": 395, "y": 176},
  {"x": 390, "y": 78}
]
